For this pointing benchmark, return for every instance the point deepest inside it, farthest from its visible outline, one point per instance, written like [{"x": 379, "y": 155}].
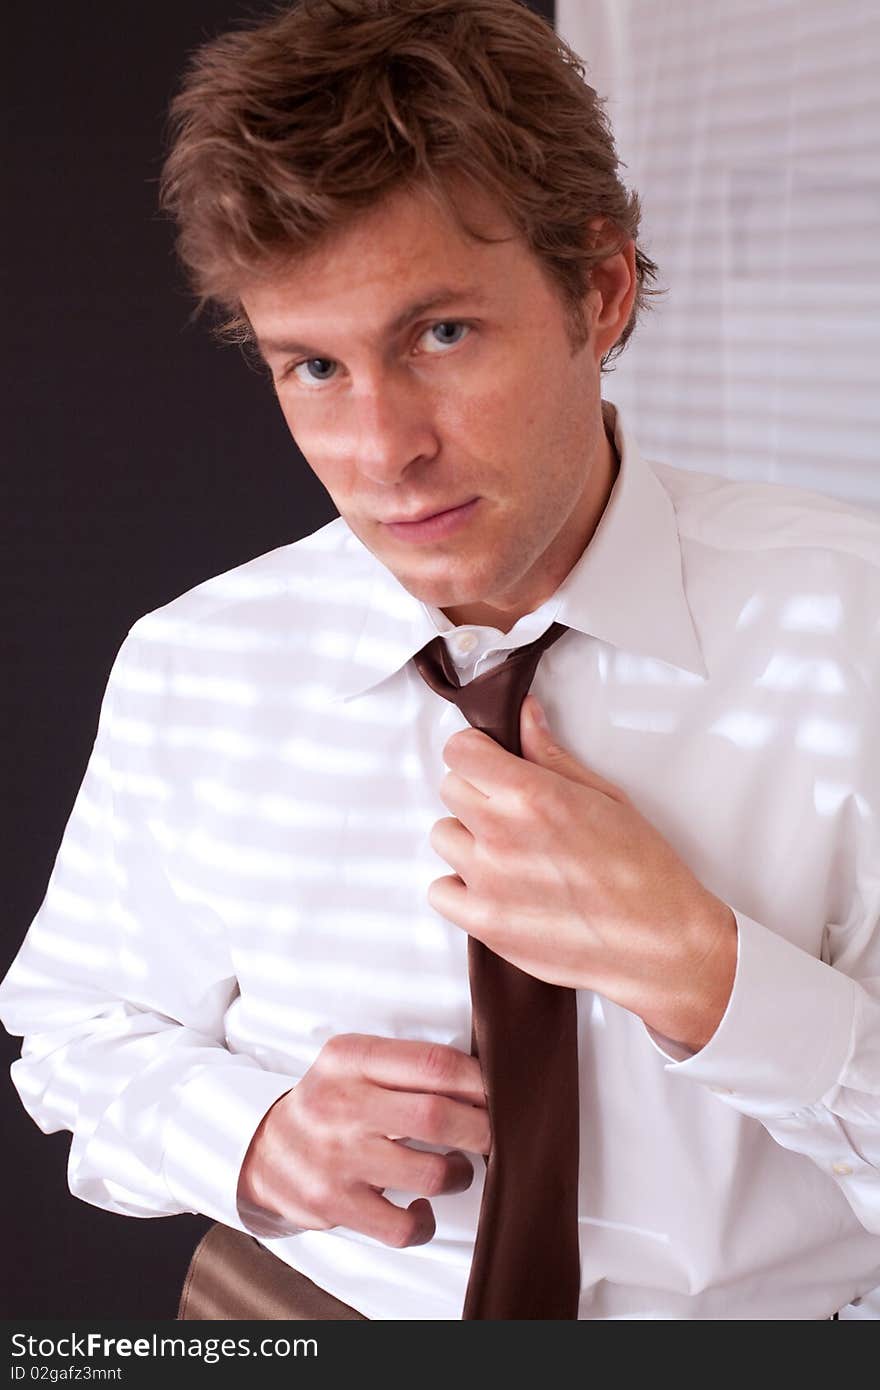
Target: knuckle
[
  {"x": 344, "y": 1051},
  {"x": 319, "y": 1106},
  {"x": 335, "y": 1048},
  {"x": 521, "y": 800},
  {"x": 318, "y": 1196},
  {"x": 537, "y": 802},
  {"x": 428, "y": 1113},
  {"x": 438, "y": 1064},
  {"x": 331, "y": 1113},
  {"x": 494, "y": 834},
  {"x": 433, "y": 1175}
]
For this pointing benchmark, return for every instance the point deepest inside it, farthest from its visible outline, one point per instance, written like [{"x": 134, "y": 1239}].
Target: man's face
[{"x": 435, "y": 393}]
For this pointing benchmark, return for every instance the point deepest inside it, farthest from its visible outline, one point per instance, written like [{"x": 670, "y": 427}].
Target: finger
[
  {"x": 540, "y": 746},
  {"x": 478, "y": 759},
  {"x": 400, "y": 1064},
  {"x": 433, "y": 1119},
  {"x": 473, "y": 913},
  {"x": 454, "y": 844},
  {"x": 449, "y": 897},
  {"x": 372, "y": 1215},
  {"x": 466, "y": 802},
  {"x": 385, "y": 1164}
]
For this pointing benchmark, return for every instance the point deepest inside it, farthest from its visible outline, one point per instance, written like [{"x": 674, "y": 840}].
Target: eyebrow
[{"x": 437, "y": 298}]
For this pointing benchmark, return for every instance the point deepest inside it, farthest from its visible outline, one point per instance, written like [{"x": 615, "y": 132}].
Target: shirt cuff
[
  {"x": 786, "y": 1034},
  {"x": 217, "y": 1114}
]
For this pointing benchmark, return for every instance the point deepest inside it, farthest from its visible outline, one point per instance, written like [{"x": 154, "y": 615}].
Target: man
[{"x": 247, "y": 991}]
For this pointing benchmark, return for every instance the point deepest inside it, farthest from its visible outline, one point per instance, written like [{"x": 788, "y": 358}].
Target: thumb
[{"x": 540, "y": 746}]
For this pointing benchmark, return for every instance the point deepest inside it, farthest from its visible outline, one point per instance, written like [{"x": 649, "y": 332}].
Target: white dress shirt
[{"x": 244, "y": 875}]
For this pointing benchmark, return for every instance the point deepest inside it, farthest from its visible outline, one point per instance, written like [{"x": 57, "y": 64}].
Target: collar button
[{"x": 465, "y": 642}]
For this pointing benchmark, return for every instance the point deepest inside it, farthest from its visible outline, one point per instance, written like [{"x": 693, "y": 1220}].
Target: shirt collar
[{"x": 627, "y": 589}]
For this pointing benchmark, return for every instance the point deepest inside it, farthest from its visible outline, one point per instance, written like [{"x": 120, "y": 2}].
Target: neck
[{"x": 504, "y": 612}]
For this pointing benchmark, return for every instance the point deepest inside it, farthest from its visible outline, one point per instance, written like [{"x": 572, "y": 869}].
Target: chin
[
  {"x": 445, "y": 581},
  {"x": 439, "y": 594}
]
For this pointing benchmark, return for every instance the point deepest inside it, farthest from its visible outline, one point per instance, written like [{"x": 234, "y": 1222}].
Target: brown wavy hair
[{"x": 285, "y": 129}]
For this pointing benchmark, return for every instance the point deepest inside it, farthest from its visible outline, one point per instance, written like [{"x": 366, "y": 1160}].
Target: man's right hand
[{"x": 325, "y": 1152}]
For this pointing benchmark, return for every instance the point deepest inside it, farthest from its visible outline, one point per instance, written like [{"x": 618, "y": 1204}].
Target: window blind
[{"x": 751, "y": 131}]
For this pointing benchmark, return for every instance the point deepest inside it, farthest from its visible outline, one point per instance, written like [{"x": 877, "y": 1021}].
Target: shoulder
[
  {"x": 280, "y": 605},
  {"x": 273, "y": 601},
  {"x": 743, "y": 516},
  {"x": 785, "y": 561}
]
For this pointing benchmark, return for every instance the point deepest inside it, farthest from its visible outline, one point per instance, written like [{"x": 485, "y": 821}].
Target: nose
[{"x": 394, "y": 427}]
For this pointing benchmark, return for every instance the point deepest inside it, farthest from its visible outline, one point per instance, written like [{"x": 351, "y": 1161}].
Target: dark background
[{"x": 140, "y": 459}]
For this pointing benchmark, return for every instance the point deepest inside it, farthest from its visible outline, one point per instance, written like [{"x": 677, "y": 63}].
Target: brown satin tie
[{"x": 526, "y": 1260}]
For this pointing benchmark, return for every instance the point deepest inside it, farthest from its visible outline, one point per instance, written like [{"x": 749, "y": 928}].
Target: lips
[
  {"x": 433, "y": 525},
  {"x": 425, "y": 514}
]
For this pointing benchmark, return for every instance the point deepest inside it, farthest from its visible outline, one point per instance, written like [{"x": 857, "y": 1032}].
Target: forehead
[{"x": 407, "y": 246}]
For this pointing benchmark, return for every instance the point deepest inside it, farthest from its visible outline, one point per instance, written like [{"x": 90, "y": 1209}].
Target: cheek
[
  {"x": 323, "y": 449},
  {"x": 485, "y": 424},
  {"x": 516, "y": 399}
]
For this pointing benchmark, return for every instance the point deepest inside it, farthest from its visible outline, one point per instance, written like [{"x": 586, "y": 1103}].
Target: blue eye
[
  {"x": 448, "y": 333},
  {"x": 318, "y": 369}
]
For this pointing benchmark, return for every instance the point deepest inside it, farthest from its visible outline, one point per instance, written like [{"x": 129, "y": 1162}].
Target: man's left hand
[{"x": 556, "y": 871}]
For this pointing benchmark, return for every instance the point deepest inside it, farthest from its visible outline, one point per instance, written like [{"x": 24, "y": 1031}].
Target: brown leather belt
[{"x": 233, "y": 1276}]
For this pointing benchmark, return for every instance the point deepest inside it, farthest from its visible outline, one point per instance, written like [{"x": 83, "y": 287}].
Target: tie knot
[{"x": 492, "y": 701}]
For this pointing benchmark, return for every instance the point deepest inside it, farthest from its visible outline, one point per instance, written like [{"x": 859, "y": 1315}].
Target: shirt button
[
  {"x": 465, "y": 642},
  {"x": 841, "y": 1169}
]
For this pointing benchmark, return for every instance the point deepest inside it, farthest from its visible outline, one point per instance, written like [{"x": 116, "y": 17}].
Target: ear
[{"x": 609, "y": 300}]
